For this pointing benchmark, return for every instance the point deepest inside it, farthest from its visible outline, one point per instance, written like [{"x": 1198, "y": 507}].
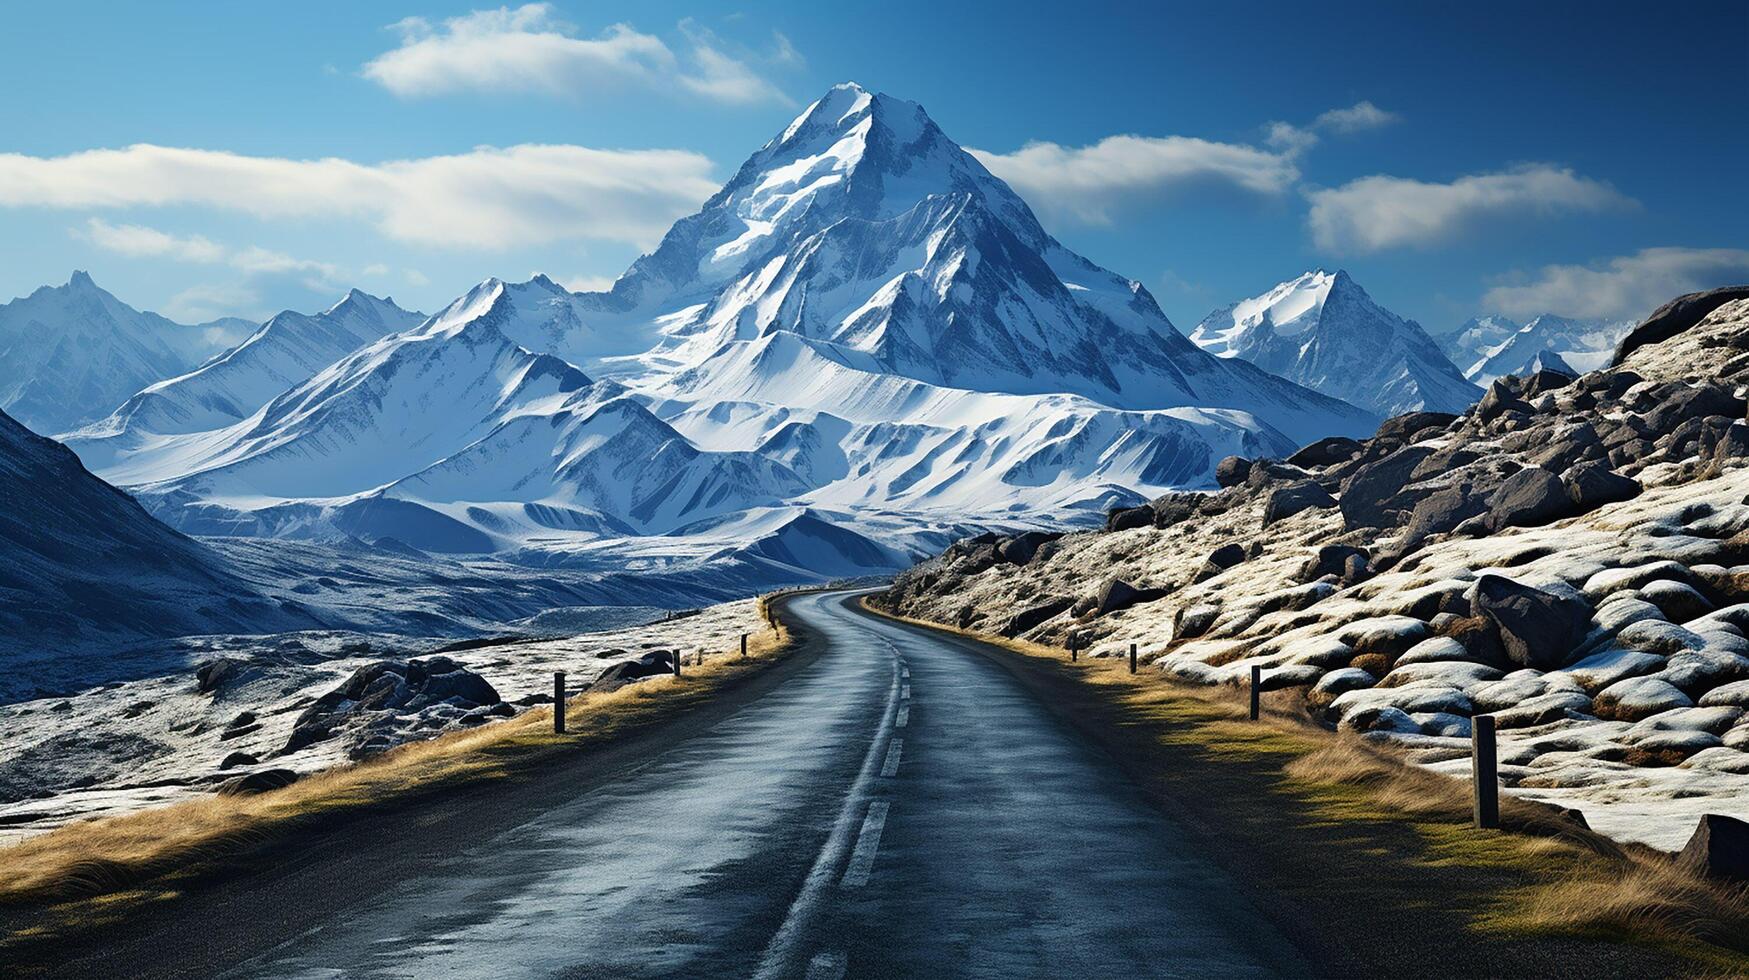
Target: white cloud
[
  {"x": 1294, "y": 140},
  {"x": 139, "y": 241},
  {"x": 1623, "y": 287},
  {"x": 486, "y": 198},
  {"x": 1088, "y": 183},
  {"x": 587, "y": 284},
  {"x": 1360, "y": 116},
  {"x": 1380, "y": 212},
  {"x": 527, "y": 49}
]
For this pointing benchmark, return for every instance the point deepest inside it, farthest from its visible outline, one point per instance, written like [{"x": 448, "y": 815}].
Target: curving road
[{"x": 897, "y": 806}]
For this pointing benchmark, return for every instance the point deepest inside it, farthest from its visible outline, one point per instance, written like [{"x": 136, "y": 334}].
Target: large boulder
[
  {"x": 260, "y": 781},
  {"x": 1285, "y": 502},
  {"x": 1500, "y": 399},
  {"x": 1531, "y": 497},
  {"x": 1592, "y": 485},
  {"x": 1129, "y": 518},
  {"x": 1035, "y": 614},
  {"x": 1232, "y": 471},
  {"x": 392, "y": 686},
  {"x": 652, "y": 664},
  {"x": 1333, "y": 559},
  {"x": 1719, "y": 848},
  {"x": 1021, "y": 548},
  {"x": 1221, "y": 559},
  {"x": 1407, "y": 425},
  {"x": 1116, "y": 594},
  {"x": 1674, "y": 317},
  {"x": 1373, "y": 495},
  {"x": 1694, "y": 402},
  {"x": 1536, "y": 629},
  {"x": 1326, "y": 452},
  {"x": 1443, "y": 511}
]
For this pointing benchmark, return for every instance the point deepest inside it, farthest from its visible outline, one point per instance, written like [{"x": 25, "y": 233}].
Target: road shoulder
[{"x": 1361, "y": 886}]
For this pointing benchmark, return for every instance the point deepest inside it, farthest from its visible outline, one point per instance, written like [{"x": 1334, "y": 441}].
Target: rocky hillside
[{"x": 1570, "y": 555}]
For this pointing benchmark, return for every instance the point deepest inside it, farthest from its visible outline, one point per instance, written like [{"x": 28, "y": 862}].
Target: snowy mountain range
[
  {"x": 1323, "y": 331},
  {"x": 863, "y": 345},
  {"x": 70, "y": 354},
  {"x": 1492, "y": 346}
]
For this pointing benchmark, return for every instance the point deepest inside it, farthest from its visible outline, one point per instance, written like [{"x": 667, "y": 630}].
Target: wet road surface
[{"x": 900, "y": 806}]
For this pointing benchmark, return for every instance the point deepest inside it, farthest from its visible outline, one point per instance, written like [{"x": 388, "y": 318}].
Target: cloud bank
[
  {"x": 486, "y": 198},
  {"x": 527, "y": 49},
  {"x": 1627, "y": 286},
  {"x": 1375, "y": 213}
]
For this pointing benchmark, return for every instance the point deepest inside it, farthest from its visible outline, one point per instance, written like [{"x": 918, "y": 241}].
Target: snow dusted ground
[
  {"x": 156, "y": 740},
  {"x": 1629, "y": 700}
]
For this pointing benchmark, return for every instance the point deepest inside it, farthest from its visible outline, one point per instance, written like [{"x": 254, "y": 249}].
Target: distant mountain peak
[{"x": 1323, "y": 330}]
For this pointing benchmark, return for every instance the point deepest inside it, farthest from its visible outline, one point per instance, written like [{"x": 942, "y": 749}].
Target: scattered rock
[
  {"x": 1033, "y": 615},
  {"x": 1639, "y": 697},
  {"x": 1129, "y": 518},
  {"x": 261, "y": 781},
  {"x": 1285, "y": 502},
  {"x": 1326, "y": 452},
  {"x": 1537, "y": 629},
  {"x": 1592, "y": 485},
  {"x": 1232, "y": 471},
  {"x": 1531, "y": 497},
  {"x": 1719, "y": 848},
  {"x": 236, "y": 759},
  {"x": 1020, "y": 549}
]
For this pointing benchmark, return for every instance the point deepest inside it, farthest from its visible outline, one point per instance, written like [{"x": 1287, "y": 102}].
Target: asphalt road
[{"x": 893, "y": 804}]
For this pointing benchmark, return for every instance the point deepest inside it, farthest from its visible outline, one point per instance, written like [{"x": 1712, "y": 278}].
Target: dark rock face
[
  {"x": 1537, "y": 629},
  {"x": 1547, "y": 380},
  {"x": 1373, "y": 495},
  {"x": 1327, "y": 452},
  {"x": 651, "y": 664},
  {"x": 1442, "y": 512},
  {"x": 1719, "y": 848},
  {"x": 1674, "y": 317},
  {"x": 1529, "y": 498},
  {"x": 1287, "y": 501},
  {"x": 1033, "y": 615},
  {"x": 402, "y": 687},
  {"x": 1232, "y": 471},
  {"x": 1499, "y": 400},
  {"x": 215, "y": 674},
  {"x": 1020, "y": 549},
  {"x": 1128, "y": 518},
  {"x": 1695, "y": 402},
  {"x": 1407, "y": 425},
  {"x": 1334, "y": 559},
  {"x": 249, "y": 784},
  {"x": 1591, "y": 485},
  {"x": 1116, "y": 594}
]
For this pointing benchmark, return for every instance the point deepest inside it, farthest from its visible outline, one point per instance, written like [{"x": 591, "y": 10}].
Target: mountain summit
[
  {"x": 1323, "y": 331},
  {"x": 863, "y": 226}
]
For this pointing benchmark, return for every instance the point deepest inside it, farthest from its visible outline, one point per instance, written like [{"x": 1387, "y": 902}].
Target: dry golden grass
[
  {"x": 1580, "y": 883},
  {"x": 113, "y": 856}
]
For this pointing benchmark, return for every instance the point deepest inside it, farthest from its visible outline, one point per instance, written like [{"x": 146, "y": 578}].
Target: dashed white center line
[
  {"x": 868, "y": 842},
  {"x": 828, "y": 966},
  {"x": 904, "y": 691},
  {"x": 903, "y": 716},
  {"x": 904, "y": 671},
  {"x": 890, "y": 768}
]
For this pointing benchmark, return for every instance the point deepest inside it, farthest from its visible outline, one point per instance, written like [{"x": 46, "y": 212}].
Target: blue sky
[{"x": 221, "y": 158}]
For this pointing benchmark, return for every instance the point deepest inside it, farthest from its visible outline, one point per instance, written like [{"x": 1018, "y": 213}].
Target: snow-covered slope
[
  {"x": 1323, "y": 331},
  {"x": 1489, "y": 347},
  {"x": 864, "y": 342},
  {"x": 70, "y": 354},
  {"x": 864, "y": 226},
  {"x": 81, "y": 562},
  {"x": 286, "y": 350}
]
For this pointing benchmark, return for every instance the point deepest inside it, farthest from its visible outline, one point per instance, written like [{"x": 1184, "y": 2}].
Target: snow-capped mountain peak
[{"x": 1324, "y": 331}]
